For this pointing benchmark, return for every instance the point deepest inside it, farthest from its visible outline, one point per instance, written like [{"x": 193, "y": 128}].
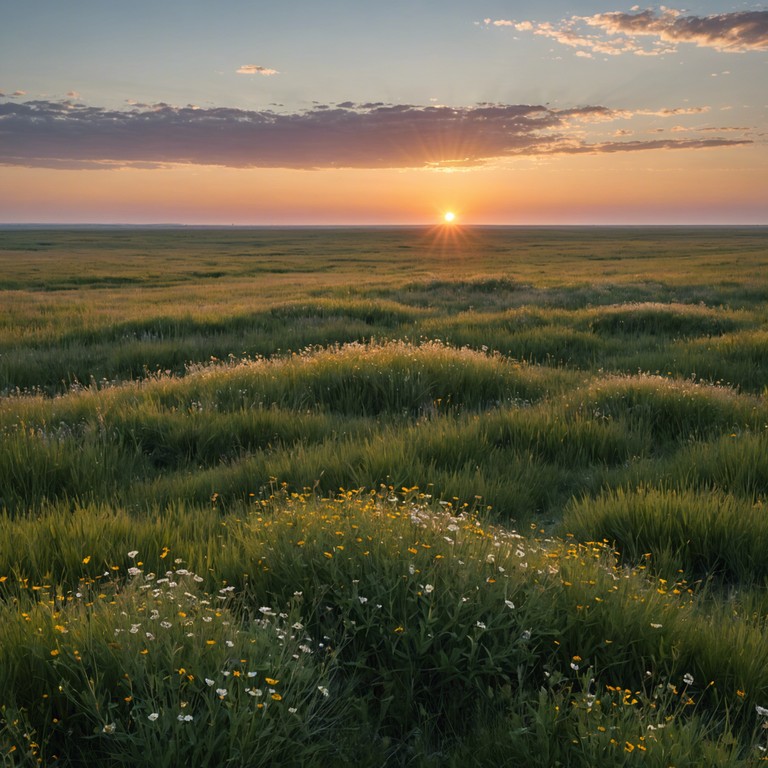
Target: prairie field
[{"x": 384, "y": 497}]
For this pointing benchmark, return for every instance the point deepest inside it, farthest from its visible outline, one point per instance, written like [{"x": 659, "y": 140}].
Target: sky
[{"x": 305, "y": 112}]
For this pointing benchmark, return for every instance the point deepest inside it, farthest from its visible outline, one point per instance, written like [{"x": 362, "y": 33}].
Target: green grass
[{"x": 383, "y": 497}]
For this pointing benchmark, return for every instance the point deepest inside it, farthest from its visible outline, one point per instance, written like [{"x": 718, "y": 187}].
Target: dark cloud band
[{"x": 70, "y": 135}]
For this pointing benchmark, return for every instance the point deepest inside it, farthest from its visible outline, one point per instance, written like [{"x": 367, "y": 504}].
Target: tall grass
[{"x": 383, "y": 498}]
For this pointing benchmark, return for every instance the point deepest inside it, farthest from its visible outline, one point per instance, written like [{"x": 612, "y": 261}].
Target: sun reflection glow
[{"x": 449, "y": 217}]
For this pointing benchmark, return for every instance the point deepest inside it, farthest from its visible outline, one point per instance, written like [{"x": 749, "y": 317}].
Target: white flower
[
  {"x": 209, "y": 682},
  {"x": 688, "y": 678},
  {"x": 323, "y": 690},
  {"x": 363, "y": 600},
  {"x": 109, "y": 728},
  {"x": 509, "y": 604},
  {"x": 761, "y": 711},
  {"x": 221, "y": 692},
  {"x": 480, "y": 624},
  {"x": 153, "y": 716},
  {"x": 133, "y": 553},
  {"x": 165, "y": 624},
  {"x": 230, "y": 644},
  {"x": 429, "y": 588},
  {"x": 292, "y": 710},
  {"x": 656, "y": 626},
  {"x": 574, "y": 666},
  {"x": 252, "y": 674},
  {"x": 182, "y": 718}
]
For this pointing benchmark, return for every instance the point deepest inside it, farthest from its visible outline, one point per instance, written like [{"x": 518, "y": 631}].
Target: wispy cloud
[
  {"x": 375, "y": 135},
  {"x": 255, "y": 69},
  {"x": 616, "y": 33}
]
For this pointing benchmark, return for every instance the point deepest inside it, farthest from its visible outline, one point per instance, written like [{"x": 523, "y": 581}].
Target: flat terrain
[{"x": 384, "y": 496}]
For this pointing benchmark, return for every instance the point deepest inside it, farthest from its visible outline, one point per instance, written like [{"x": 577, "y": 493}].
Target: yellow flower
[
  {"x": 271, "y": 681},
  {"x": 54, "y": 652},
  {"x": 86, "y": 560},
  {"x": 276, "y": 697}
]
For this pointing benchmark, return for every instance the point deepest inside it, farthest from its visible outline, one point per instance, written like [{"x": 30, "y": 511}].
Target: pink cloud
[
  {"x": 616, "y": 33},
  {"x": 255, "y": 69}
]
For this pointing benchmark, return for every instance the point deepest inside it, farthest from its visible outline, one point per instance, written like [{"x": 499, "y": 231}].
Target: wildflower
[
  {"x": 209, "y": 682},
  {"x": 165, "y": 624},
  {"x": 86, "y": 560},
  {"x": 276, "y": 697},
  {"x": 761, "y": 711},
  {"x": 182, "y": 718},
  {"x": 132, "y": 554},
  {"x": 480, "y": 624},
  {"x": 688, "y": 678},
  {"x": 323, "y": 690},
  {"x": 428, "y": 588},
  {"x": 221, "y": 692},
  {"x": 109, "y": 728},
  {"x": 153, "y": 716},
  {"x": 292, "y": 710},
  {"x": 271, "y": 681},
  {"x": 509, "y": 604},
  {"x": 656, "y": 626}
]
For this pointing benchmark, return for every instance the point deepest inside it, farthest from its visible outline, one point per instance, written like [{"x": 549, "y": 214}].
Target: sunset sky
[{"x": 356, "y": 112}]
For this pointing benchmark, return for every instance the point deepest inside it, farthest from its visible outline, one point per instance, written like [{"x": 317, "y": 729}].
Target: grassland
[{"x": 384, "y": 497}]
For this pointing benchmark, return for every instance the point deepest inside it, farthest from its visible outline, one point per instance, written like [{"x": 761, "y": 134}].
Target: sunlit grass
[{"x": 281, "y": 497}]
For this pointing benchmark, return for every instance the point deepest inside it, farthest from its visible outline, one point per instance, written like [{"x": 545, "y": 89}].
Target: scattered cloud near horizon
[
  {"x": 256, "y": 69},
  {"x": 71, "y": 135},
  {"x": 619, "y": 33}
]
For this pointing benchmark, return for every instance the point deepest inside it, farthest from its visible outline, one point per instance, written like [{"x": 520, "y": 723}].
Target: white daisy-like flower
[
  {"x": 688, "y": 678},
  {"x": 132, "y": 554},
  {"x": 153, "y": 716},
  {"x": 221, "y": 692}
]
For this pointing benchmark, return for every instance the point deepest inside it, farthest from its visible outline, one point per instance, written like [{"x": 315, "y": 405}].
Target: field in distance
[{"x": 491, "y": 494}]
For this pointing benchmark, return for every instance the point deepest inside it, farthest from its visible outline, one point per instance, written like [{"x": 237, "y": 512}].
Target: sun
[{"x": 449, "y": 217}]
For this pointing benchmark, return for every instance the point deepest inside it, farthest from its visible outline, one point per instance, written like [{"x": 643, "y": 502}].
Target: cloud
[
  {"x": 619, "y": 33},
  {"x": 73, "y": 94},
  {"x": 17, "y": 94},
  {"x": 255, "y": 69},
  {"x": 68, "y": 134},
  {"x": 730, "y": 32}
]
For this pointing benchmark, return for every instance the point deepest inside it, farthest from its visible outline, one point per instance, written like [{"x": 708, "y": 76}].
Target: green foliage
[{"x": 470, "y": 500}]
